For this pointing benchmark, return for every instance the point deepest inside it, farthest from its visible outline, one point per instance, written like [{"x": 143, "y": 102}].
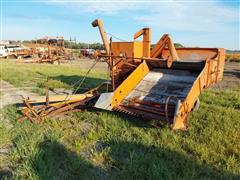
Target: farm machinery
[
  {"x": 14, "y": 51},
  {"x": 50, "y": 50},
  {"x": 161, "y": 83}
]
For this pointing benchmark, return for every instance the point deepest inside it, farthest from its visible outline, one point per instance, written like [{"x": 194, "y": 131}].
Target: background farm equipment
[
  {"x": 49, "y": 50},
  {"x": 15, "y": 51},
  {"x": 89, "y": 53},
  {"x": 162, "y": 83}
]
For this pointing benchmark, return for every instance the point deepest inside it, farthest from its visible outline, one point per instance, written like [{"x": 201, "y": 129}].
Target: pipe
[{"x": 99, "y": 23}]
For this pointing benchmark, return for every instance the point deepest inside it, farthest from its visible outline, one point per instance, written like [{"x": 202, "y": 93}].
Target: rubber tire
[{"x": 196, "y": 105}]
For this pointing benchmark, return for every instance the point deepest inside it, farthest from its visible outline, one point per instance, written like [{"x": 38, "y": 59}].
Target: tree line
[
  {"x": 81, "y": 45},
  {"x": 99, "y": 46}
]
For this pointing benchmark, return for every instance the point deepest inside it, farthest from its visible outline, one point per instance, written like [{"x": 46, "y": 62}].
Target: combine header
[{"x": 161, "y": 83}]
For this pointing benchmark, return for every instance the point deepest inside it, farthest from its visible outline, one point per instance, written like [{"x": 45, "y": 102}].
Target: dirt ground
[
  {"x": 11, "y": 94},
  {"x": 231, "y": 78}
]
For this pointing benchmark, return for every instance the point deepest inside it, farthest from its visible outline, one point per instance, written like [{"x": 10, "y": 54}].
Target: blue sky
[{"x": 206, "y": 23}]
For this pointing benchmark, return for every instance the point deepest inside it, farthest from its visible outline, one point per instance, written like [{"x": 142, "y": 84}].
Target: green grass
[
  {"x": 35, "y": 75},
  {"x": 105, "y": 145}
]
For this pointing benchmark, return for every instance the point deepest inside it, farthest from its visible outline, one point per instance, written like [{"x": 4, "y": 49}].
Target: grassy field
[
  {"x": 105, "y": 145},
  {"x": 62, "y": 76}
]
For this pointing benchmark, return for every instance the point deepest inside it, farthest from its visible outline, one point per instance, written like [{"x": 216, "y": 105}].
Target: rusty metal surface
[
  {"x": 152, "y": 94},
  {"x": 158, "y": 84},
  {"x": 37, "y": 114}
]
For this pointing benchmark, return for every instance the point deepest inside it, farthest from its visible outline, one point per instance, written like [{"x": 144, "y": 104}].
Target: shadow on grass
[
  {"x": 128, "y": 161},
  {"x": 75, "y": 80},
  {"x": 54, "y": 161},
  {"x": 5, "y": 173},
  {"x": 233, "y": 73},
  {"x": 89, "y": 82},
  {"x": 133, "y": 120}
]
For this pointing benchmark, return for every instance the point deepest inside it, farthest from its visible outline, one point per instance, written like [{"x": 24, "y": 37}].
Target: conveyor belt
[
  {"x": 158, "y": 84},
  {"x": 156, "y": 87}
]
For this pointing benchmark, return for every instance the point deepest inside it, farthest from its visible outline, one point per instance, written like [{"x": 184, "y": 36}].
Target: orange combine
[{"x": 161, "y": 83}]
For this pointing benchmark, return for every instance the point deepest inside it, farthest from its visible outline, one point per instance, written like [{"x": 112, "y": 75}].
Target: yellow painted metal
[
  {"x": 59, "y": 98},
  {"x": 128, "y": 49},
  {"x": 221, "y": 62},
  {"x": 134, "y": 49},
  {"x": 164, "y": 42},
  {"x": 99, "y": 23},
  {"x": 159, "y": 47},
  {"x": 129, "y": 84},
  {"x": 138, "y": 49},
  {"x": 122, "y": 48},
  {"x": 65, "y": 102},
  {"x": 146, "y": 32},
  {"x": 139, "y": 33},
  {"x": 179, "y": 122},
  {"x": 211, "y": 74},
  {"x": 172, "y": 50},
  {"x": 125, "y": 63},
  {"x": 180, "y": 119}
]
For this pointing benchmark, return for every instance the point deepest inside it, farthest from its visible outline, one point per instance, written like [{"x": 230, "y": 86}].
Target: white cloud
[
  {"x": 206, "y": 18},
  {"x": 204, "y": 23},
  {"x": 106, "y": 7},
  {"x": 208, "y": 24},
  {"x": 195, "y": 16}
]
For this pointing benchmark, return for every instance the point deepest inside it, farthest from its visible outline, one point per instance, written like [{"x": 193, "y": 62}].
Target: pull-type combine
[
  {"x": 159, "y": 83},
  {"x": 162, "y": 82}
]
